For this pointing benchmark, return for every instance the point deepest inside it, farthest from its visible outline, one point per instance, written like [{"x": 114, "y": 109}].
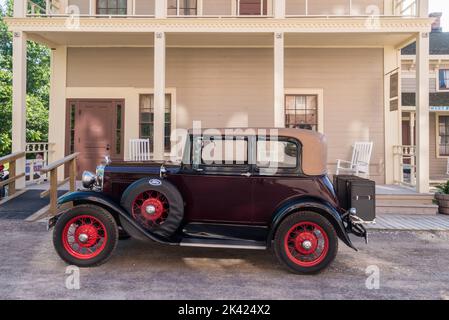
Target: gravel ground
[{"x": 412, "y": 265}]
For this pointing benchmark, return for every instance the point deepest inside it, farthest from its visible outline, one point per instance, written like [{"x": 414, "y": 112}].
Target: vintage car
[{"x": 242, "y": 190}]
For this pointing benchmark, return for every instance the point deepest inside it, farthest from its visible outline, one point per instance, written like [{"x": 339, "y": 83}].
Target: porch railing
[
  {"x": 205, "y": 9},
  {"x": 52, "y": 168},
  {"x": 405, "y": 161},
  {"x": 11, "y": 181},
  {"x": 406, "y": 8},
  {"x": 37, "y": 154}
]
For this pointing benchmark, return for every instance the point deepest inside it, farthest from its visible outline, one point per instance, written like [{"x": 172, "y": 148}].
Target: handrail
[
  {"x": 11, "y": 181},
  {"x": 59, "y": 163},
  {"x": 52, "y": 168},
  {"x": 12, "y": 157}
]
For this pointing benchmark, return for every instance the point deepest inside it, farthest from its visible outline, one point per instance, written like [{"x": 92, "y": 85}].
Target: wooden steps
[{"x": 407, "y": 204}]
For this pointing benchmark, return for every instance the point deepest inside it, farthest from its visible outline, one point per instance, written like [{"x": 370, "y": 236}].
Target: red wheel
[
  {"x": 155, "y": 204},
  {"x": 150, "y": 209},
  {"x": 85, "y": 235},
  {"x": 306, "y": 242}
]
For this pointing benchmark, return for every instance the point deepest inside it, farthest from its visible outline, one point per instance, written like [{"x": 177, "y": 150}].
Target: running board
[{"x": 214, "y": 243}]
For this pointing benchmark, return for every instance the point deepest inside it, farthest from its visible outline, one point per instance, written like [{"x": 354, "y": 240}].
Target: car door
[
  {"x": 277, "y": 176},
  {"x": 218, "y": 186}
]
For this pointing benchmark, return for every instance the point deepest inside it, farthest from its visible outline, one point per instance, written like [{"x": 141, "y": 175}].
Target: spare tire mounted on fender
[{"x": 155, "y": 204}]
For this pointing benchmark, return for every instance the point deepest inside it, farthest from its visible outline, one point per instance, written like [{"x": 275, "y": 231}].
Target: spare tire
[{"x": 155, "y": 204}]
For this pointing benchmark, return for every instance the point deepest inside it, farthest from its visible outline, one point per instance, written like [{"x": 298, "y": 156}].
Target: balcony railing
[
  {"x": 226, "y": 8},
  {"x": 350, "y": 8}
]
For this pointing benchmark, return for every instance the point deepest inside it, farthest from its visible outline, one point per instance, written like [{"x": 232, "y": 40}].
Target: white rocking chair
[
  {"x": 359, "y": 165},
  {"x": 139, "y": 150}
]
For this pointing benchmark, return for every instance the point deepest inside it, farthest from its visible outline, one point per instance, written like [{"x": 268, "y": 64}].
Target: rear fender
[
  {"x": 120, "y": 215},
  {"x": 315, "y": 205}
]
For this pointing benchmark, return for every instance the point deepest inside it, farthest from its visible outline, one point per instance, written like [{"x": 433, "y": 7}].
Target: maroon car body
[{"x": 236, "y": 204}]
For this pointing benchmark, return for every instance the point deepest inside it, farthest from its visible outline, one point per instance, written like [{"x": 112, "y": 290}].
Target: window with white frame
[
  {"x": 443, "y": 77},
  {"x": 112, "y": 7},
  {"x": 146, "y": 122},
  {"x": 182, "y": 7},
  {"x": 443, "y": 136},
  {"x": 301, "y": 111}
]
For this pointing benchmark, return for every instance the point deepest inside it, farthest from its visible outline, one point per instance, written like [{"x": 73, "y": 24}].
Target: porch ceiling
[{"x": 222, "y": 39}]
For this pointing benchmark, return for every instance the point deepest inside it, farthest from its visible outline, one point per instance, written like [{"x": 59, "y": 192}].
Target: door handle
[{"x": 108, "y": 147}]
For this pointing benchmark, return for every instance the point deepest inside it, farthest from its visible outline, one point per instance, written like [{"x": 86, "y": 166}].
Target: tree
[{"x": 38, "y": 84}]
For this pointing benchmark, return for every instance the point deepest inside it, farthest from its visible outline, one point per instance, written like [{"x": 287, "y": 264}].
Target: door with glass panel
[
  {"x": 301, "y": 111},
  {"x": 146, "y": 119}
]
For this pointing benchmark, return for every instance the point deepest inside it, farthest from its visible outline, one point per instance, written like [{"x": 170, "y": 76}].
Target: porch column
[
  {"x": 279, "y": 112},
  {"x": 392, "y": 116},
  {"x": 422, "y": 113},
  {"x": 160, "y": 10},
  {"x": 57, "y": 112},
  {"x": 19, "y": 76},
  {"x": 159, "y": 95},
  {"x": 423, "y": 8},
  {"x": 19, "y": 8},
  {"x": 279, "y": 9}
]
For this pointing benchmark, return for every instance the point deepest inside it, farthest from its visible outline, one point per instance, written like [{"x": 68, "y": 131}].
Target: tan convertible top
[{"x": 314, "y": 144}]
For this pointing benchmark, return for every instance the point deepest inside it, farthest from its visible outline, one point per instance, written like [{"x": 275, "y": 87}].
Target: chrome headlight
[
  {"x": 88, "y": 179},
  {"x": 99, "y": 176}
]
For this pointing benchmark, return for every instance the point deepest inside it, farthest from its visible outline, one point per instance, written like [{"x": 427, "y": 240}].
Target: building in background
[
  {"x": 126, "y": 69},
  {"x": 439, "y": 99}
]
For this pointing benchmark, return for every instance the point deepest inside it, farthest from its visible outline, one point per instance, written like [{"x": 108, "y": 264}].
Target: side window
[
  {"x": 444, "y": 79},
  {"x": 220, "y": 154},
  {"x": 277, "y": 154}
]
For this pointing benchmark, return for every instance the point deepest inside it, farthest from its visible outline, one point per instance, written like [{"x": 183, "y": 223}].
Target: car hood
[{"x": 147, "y": 167}]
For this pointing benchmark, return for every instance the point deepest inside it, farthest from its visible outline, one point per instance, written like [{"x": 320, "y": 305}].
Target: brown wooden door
[
  {"x": 253, "y": 7},
  {"x": 406, "y": 141},
  {"x": 96, "y": 131}
]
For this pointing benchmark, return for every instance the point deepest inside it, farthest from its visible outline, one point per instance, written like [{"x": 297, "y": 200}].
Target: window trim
[
  {"x": 238, "y": 168},
  {"x": 199, "y": 10},
  {"x": 319, "y": 92},
  {"x": 172, "y": 92},
  {"x": 437, "y": 135},
  {"x": 97, "y": 9},
  {"x": 438, "y": 80},
  {"x": 281, "y": 171}
]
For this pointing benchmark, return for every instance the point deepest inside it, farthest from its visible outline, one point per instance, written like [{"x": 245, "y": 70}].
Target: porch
[
  {"x": 340, "y": 65},
  {"x": 222, "y": 8}
]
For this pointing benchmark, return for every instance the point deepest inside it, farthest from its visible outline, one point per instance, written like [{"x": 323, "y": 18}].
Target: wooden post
[
  {"x": 72, "y": 175},
  {"x": 422, "y": 113},
  {"x": 279, "y": 90},
  {"x": 159, "y": 96},
  {"x": 53, "y": 190},
  {"x": 12, "y": 173}
]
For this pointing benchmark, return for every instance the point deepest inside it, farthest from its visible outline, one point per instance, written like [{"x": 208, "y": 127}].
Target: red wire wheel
[
  {"x": 150, "y": 208},
  {"x": 84, "y": 237},
  {"x": 306, "y": 244}
]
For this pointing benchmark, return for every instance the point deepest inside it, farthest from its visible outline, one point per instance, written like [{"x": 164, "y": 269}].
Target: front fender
[
  {"x": 312, "y": 204},
  {"x": 99, "y": 199}
]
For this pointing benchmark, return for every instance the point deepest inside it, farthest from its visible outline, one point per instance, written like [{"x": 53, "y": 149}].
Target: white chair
[
  {"x": 361, "y": 157},
  {"x": 139, "y": 150}
]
